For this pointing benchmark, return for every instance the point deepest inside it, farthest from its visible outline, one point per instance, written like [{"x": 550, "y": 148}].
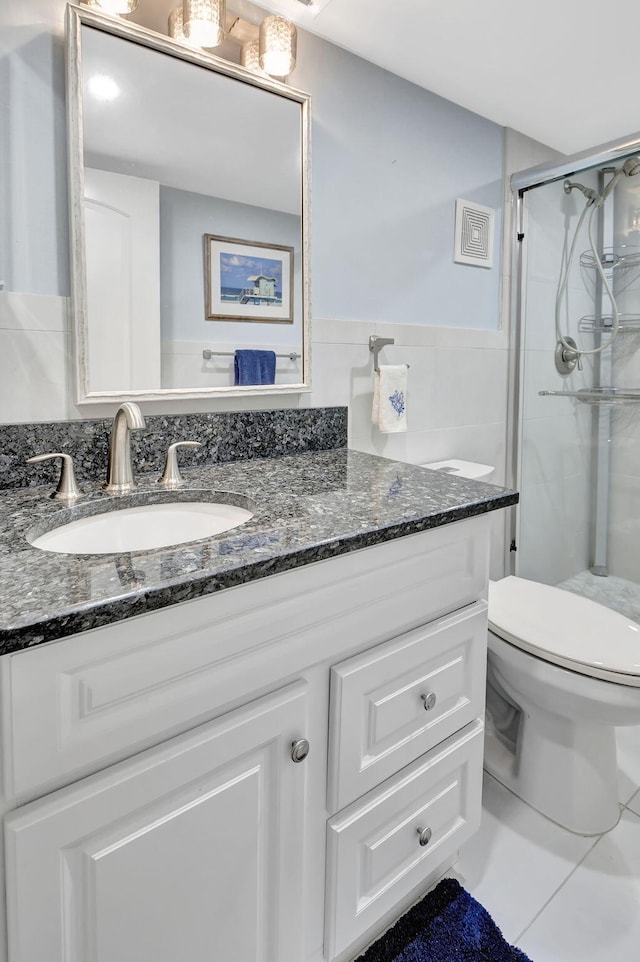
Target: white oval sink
[{"x": 143, "y": 527}]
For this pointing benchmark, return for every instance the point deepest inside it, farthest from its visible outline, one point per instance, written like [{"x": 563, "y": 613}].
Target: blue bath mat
[{"x": 446, "y": 926}]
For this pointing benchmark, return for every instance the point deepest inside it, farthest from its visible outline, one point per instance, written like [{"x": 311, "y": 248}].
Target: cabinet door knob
[
  {"x": 429, "y": 700},
  {"x": 299, "y": 750},
  {"x": 425, "y": 835}
]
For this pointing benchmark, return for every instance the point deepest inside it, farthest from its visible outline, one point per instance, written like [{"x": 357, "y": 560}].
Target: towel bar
[
  {"x": 376, "y": 344},
  {"x": 207, "y": 354}
]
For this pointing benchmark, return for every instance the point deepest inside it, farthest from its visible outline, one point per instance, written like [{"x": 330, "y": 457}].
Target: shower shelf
[
  {"x": 602, "y": 395},
  {"x": 621, "y": 267},
  {"x": 616, "y": 258},
  {"x": 590, "y": 324}
]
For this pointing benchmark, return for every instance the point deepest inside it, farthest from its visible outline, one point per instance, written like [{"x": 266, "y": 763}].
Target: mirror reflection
[{"x": 191, "y": 239}]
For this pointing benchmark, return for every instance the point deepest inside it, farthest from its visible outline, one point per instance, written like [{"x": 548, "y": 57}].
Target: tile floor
[
  {"x": 558, "y": 896},
  {"x": 616, "y": 593}
]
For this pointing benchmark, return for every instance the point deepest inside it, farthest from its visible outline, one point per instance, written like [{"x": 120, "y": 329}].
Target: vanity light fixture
[
  {"x": 114, "y": 6},
  {"x": 278, "y": 42},
  {"x": 175, "y": 24},
  {"x": 203, "y": 22},
  {"x": 250, "y": 57}
]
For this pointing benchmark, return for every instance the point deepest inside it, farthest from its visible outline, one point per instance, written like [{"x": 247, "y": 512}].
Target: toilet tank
[{"x": 463, "y": 469}]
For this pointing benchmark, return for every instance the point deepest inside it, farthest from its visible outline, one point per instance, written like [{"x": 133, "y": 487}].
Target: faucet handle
[
  {"x": 67, "y": 489},
  {"x": 171, "y": 477}
]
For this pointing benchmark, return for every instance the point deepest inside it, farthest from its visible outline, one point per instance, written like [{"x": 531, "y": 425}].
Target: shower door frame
[{"x": 521, "y": 182}]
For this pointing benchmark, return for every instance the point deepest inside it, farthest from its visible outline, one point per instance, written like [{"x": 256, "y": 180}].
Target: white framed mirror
[{"x": 189, "y": 192}]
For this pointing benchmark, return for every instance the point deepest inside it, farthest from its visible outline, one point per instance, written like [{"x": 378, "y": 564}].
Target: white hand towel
[{"x": 390, "y": 398}]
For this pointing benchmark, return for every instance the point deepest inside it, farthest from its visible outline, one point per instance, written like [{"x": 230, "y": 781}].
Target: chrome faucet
[{"x": 119, "y": 471}]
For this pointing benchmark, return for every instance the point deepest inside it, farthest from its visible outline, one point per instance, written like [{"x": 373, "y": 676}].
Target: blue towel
[{"x": 255, "y": 367}]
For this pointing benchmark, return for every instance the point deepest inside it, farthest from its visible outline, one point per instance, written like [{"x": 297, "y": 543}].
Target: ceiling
[
  {"x": 562, "y": 73},
  {"x": 565, "y": 74}
]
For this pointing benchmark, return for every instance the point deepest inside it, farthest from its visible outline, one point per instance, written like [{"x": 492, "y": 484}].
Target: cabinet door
[{"x": 190, "y": 851}]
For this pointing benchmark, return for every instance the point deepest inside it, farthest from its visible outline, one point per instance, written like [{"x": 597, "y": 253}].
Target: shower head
[{"x": 629, "y": 168}]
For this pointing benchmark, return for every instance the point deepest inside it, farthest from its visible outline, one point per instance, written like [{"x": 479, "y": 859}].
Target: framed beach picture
[{"x": 247, "y": 280}]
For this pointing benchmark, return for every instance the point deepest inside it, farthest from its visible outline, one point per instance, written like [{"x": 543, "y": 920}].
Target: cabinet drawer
[
  {"x": 374, "y": 854},
  {"x": 395, "y": 702}
]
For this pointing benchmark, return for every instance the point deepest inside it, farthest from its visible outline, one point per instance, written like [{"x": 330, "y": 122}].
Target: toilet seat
[{"x": 565, "y": 629}]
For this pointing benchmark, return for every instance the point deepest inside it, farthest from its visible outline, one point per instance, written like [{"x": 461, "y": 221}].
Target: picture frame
[{"x": 248, "y": 280}]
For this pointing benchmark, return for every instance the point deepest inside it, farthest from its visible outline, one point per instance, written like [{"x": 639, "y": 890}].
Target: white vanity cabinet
[
  {"x": 153, "y": 810},
  {"x": 187, "y": 851}
]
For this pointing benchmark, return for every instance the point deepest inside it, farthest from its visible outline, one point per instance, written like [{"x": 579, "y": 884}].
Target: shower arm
[{"x": 592, "y": 196}]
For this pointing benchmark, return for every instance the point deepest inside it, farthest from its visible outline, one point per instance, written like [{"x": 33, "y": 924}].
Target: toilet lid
[{"x": 566, "y": 629}]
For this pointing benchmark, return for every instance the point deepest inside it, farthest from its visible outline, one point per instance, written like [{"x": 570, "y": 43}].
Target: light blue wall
[
  {"x": 184, "y": 218},
  {"x": 389, "y": 159},
  {"x": 34, "y": 244}
]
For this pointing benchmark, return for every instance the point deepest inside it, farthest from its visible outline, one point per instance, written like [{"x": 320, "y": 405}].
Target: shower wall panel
[
  {"x": 555, "y": 444},
  {"x": 624, "y": 522}
]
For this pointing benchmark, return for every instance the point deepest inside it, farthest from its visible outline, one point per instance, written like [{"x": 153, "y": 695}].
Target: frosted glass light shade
[
  {"x": 250, "y": 57},
  {"x": 203, "y": 22},
  {"x": 114, "y": 6},
  {"x": 175, "y": 24},
  {"x": 278, "y": 43}
]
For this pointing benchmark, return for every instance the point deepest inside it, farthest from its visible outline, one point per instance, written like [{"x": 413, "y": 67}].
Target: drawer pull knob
[
  {"x": 429, "y": 700},
  {"x": 425, "y": 835},
  {"x": 299, "y": 750}
]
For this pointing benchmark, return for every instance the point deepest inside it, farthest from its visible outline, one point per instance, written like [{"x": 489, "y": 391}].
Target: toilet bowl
[{"x": 563, "y": 673}]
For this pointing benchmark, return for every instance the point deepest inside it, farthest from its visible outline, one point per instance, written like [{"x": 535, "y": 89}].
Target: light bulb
[
  {"x": 203, "y": 22},
  {"x": 114, "y": 6},
  {"x": 250, "y": 57},
  {"x": 175, "y": 25},
  {"x": 278, "y": 41}
]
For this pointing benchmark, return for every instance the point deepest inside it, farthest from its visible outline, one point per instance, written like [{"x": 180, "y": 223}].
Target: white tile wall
[
  {"x": 624, "y": 527},
  {"x": 456, "y": 397},
  {"x": 554, "y": 529},
  {"x": 634, "y": 804},
  {"x": 34, "y": 358}
]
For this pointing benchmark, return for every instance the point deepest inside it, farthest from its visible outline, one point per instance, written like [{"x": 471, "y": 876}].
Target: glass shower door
[{"x": 579, "y": 446}]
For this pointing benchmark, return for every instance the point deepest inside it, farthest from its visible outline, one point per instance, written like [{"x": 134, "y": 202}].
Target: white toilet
[
  {"x": 462, "y": 469},
  {"x": 563, "y": 672}
]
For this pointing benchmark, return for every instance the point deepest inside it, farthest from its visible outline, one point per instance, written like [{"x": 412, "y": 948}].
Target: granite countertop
[{"x": 308, "y": 507}]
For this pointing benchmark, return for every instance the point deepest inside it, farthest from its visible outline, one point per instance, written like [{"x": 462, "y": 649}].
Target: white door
[
  {"x": 122, "y": 244},
  {"x": 190, "y": 851}
]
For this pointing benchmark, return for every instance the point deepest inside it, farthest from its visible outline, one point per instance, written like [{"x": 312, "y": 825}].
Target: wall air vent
[{"x": 474, "y": 234}]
